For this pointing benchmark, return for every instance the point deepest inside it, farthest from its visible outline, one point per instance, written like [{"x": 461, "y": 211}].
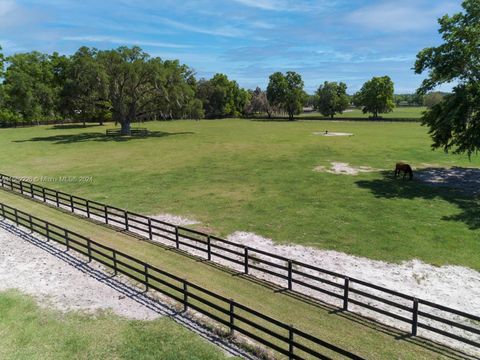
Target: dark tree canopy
[
  {"x": 376, "y": 96},
  {"x": 125, "y": 84},
  {"x": 84, "y": 94},
  {"x": 222, "y": 97},
  {"x": 455, "y": 122},
  {"x": 332, "y": 98},
  {"x": 32, "y": 86},
  {"x": 286, "y": 92}
]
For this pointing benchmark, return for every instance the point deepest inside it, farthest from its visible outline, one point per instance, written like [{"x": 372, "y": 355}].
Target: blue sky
[{"x": 337, "y": 40}]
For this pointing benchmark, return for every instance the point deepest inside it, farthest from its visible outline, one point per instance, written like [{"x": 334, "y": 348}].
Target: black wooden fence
[
  {"x": 233, "y": 316},
  {"x": 343, "y": 291}
]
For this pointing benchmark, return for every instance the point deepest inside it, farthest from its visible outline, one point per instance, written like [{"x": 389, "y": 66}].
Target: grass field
[
  {"x": 29, "y": 332},
  {"x": 257, "y": 176},
  {"x": 414, "y": 112}
]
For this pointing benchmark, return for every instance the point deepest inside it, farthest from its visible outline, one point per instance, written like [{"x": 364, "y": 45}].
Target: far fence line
[
  {"x": 233, "y": 316},
  {"x": 311, "y": 281}
]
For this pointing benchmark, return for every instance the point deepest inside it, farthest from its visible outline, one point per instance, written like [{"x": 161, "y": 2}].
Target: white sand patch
[
  {"x": 344, "y": 169},
  {"x": 452, "y": 286},
  {"x": 55, "y": 283},
  {"x": 332, "y": 133},
  {"x": 174, "y": 219}
]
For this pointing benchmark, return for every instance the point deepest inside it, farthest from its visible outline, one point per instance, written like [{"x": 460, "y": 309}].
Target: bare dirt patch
[
  {"x": 55, "y": 283},
  {"x": 332, "y": 133},
  {"x": 341, "y": 168},
  {"x": 466, "y": 180},
  {"x": 174, "y": 219}
]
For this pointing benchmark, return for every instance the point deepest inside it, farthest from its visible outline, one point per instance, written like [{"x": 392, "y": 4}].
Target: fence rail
[
  {"x": 340, "y": 290},
  {"x": 284, "y": 339}
]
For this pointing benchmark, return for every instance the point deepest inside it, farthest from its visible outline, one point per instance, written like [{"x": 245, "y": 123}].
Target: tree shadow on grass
[
  {"x": 97, "y": 136},
  {"x": 72, "y": 126},
  {"x": 460, "y": 187}
]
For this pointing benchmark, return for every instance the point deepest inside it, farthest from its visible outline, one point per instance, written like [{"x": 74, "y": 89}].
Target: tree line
[{"x": 127, "y": 84}]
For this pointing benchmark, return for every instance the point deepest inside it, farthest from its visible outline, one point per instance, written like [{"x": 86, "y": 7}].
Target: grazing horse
[{"x": 399, "y": 167}]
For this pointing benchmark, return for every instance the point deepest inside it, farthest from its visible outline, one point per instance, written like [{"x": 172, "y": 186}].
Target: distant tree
[
  {"x": 376, "y": 96},
  {"x": 311, "y": 101},
  {"x": 2, "y": 63},
  {"x": 222, "y": 97},
  {"x": 455, "y": 122},
  {"x": 31, "y": 88},
  {"x": 259, "y": 103},
  {"x": 408, "y": 99},
  {"x": 433, "y": 98},
  {"x": 332, "y": 98},
  {"x": 286, "y": 92}
]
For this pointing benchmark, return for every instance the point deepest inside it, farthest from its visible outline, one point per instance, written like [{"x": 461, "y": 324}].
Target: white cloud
[
  {"x": 6, "y": 6},
  {"x": 113, "y": 40},
  {"x": 279, "y": 5},
  {"x": 227, "y": 31},
  {"x": 403, "y": 15}
]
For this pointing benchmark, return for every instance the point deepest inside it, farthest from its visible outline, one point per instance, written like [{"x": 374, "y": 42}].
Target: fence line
[
  {"x": 415, "y": 312},
  {"x": 276, "y": 335}
]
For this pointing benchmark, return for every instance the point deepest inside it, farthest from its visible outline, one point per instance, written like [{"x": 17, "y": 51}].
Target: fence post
[
  {"x": 146, "y": 276},
  {"x": 47, "y": 228},
  {"x": 115, "y": 262},
  {"x": 3, "y": 208},
  {"x": 66, "y": 239},
  {"x": 88, "y": 208},
  {"x": 150, "y": 235},
  {"x": 290, "y": 342},
  {"x": 232, "y": 318},
  {"x": 345, "y": 293},
  {"x": 126, "y": 220},
  {"x": 415, "y": 317},
  {"x": 290, "y": 274},
  {"x": 21, "y": 187},
  {"x": 177, "y": 242},
  {"x": 72, "y": 208},
  {"x": 30, "y": 222},
  {"x": 43, "y": 194},
  {"x": 89, "y": 249},
  {"x": 56, "y": 198},
  {"x": 2, "y": 180},
  {"x": 185, "y": 295},
  {"x": 209, "y": 248},
  {"x": 16, "y": 217},
  {"x": 246, "y": 260},
  {"x": 31, "y": 191}
]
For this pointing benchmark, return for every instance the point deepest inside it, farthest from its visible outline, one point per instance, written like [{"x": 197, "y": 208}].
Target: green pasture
[
  {"x": 258, "y": 176},
  {"x": 29, "y": 332},
  {"x": 405, "y": 112}
]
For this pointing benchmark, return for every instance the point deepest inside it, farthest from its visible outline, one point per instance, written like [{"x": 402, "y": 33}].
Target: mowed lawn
[
  {"x": 30, "y": 332},
  {"x": 258, "y": 176},
  {"x": 404, "y": 112}
]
